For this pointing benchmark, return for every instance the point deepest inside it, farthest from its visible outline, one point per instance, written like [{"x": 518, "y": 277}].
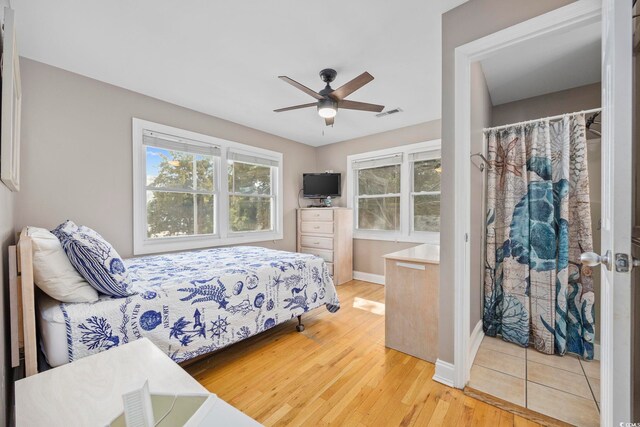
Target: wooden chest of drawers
[{"x": 328, "y": 233}]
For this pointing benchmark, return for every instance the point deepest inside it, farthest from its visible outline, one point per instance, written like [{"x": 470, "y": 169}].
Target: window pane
[
  {"x": 426, "y": 175},
  {"x": 246, "y": 178},
  {"x": 426, "y": 213},
  {"x": 204, "y": 202},
  {"x": 204, "y": 171},
  {"x": 379, "y": 213},
  {"x": 169, "y": 169},
  {"x": 382, "y": 180},
  {"x": 169, "y": 214},
  {"x": 248, "y": 213}
]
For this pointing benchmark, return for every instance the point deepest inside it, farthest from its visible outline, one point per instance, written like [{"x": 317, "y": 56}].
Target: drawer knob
[{"x": 316, "y": 227}]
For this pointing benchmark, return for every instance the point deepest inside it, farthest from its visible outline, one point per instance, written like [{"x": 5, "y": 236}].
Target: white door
[{"x": 616, "y": 378}]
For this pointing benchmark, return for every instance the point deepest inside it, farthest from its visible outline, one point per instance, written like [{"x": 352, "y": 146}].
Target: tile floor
[{"x": 565, "y": 388}]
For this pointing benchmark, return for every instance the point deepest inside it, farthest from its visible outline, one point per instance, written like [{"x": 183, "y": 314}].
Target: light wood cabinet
[
  {"x": 412, "y": 282},
  {"x": 328, "y": 233}
]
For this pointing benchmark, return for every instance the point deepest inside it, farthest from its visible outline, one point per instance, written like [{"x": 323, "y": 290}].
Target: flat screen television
[{"x": 321, "y": 185}]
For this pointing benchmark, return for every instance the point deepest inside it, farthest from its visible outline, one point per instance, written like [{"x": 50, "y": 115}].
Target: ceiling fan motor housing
[{"x": 328, "y": 75}]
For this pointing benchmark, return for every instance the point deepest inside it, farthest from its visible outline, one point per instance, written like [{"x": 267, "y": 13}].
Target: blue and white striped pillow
[{"x": 94, "y": 258}]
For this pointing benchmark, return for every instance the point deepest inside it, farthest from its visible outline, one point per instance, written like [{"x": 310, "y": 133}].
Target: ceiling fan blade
[
  {"x": 362, "y": 106},
  {"x": 329, "y": 121},
  {"x": 348, "y": 88},
  {"x": 302, "y": 87},
  {"x": 295, "y": 107}
]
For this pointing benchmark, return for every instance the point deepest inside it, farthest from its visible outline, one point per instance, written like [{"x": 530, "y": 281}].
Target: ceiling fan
[{"x": 329, "y": 100}]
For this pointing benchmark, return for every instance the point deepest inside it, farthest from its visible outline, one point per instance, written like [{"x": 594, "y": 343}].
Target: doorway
[
  {"x": 562, "y": 21},
  {"x": 617, "y": 200}
]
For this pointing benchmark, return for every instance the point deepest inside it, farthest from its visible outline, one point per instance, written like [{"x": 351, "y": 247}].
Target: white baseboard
[
  {"x": 596, "y": 352},
  {"x": 474, "y": 342},
  {"x": 445, "y": 373},
  {"x": 368, "y": 277}
]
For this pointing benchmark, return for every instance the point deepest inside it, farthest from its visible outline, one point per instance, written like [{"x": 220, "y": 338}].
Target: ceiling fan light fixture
[
  {"x": 328, "y": 100},
  {"x": 327, "y": 108}
]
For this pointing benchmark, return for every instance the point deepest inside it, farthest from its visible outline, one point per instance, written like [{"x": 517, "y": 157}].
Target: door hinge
[{"x": 466, "y": 237}]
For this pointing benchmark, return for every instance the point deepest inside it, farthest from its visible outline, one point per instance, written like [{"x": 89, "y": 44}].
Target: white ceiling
[
  {"x": 223, "y": 58},
  {"x": 544, "y": 65}
]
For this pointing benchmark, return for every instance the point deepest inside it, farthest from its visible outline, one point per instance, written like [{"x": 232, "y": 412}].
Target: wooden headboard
[{"x": 22, "y": 305}]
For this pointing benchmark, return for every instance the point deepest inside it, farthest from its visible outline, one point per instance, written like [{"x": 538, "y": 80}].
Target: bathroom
[{"x": 535, "y": 111}]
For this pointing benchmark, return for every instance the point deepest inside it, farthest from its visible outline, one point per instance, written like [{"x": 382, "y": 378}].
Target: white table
[{"x": 89, "y": 391}]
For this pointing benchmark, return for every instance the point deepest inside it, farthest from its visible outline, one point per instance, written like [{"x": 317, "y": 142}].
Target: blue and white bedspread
[{"x": 192, "y": 303}]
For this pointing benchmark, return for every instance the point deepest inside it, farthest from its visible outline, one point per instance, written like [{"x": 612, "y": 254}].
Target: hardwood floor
[{"x": 339, "y": 372}]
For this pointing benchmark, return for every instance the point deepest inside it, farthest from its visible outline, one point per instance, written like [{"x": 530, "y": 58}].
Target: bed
[{"x": 188, "y": 304}]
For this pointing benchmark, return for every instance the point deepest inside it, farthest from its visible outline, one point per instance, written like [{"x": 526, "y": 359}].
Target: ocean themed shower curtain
[{"x": 536, "y": 292}]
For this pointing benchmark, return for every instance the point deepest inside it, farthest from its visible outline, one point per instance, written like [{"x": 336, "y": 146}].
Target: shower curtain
[{"x": 536, "y": 292}]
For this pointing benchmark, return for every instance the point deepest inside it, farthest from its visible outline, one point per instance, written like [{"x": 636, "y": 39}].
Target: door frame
[
  {"x": 617, "y": 218},
  {"x": 560, "y": 20}
]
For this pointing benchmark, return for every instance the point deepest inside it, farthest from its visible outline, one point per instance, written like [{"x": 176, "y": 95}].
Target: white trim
[
  {"x": 557, "y": 21},
  {"x": 222, "y": 236},
  {"x": 11, "y": 102},
  {"x": 445, "y": 373},
  {"x": 596, "y": 352},
  {"x": 616, "y": 310},
  {"x": 404, "y": 234},
  {"x": 369, "y": 277},
  {"x": 474, "y": 342}
]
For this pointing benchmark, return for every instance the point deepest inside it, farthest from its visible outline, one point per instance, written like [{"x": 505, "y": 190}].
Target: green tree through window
[
  {"x": 180, "y": 193},
  {"x": 379, "y": 198},
  {"x": 396, "y": 194},
  {"x": 250, "y": 197},
  {"x": 426, "y": 195}
]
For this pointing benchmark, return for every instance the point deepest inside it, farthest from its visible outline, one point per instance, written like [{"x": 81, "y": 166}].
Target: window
[
  {"x": 378, "y": 193},
  {"x": 180, "y": 187},
  {"x": 425, "y": 191},
  {"x": 395, "y": 193},
  {"x": 180, "y": 201},
  {"x": 251, "y": 198}
]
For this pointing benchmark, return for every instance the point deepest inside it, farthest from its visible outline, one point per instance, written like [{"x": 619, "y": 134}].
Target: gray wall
[
  {"x": 77, "y": 156},
  {"x": 636, "y": 130},
  {"x": 467, "y": 22},
  {"x": 481, "y": 112},
  {"x": 635, "y": 289},
  {"x": 565, "y": 101},
  {"x": 368, "y": 253}
]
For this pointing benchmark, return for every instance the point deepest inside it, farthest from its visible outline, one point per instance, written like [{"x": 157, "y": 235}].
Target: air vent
[{"x": 388, "y": 112}]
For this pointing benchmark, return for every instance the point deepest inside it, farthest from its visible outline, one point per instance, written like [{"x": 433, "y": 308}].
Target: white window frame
[
  {"x": 406, "y": 232},
  {"x": 272, "y": 196},
  {"x": 422, "y": 235},
  {"x": 222, "y": 235}
]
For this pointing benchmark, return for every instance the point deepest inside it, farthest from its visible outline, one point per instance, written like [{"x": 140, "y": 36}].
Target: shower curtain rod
[{"x": 559, "y": 116}]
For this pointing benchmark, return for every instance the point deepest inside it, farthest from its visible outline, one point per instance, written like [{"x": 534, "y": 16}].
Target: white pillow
[
  {"x": 95, "y": 259},
  {"x": 52, "y": 271}
]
